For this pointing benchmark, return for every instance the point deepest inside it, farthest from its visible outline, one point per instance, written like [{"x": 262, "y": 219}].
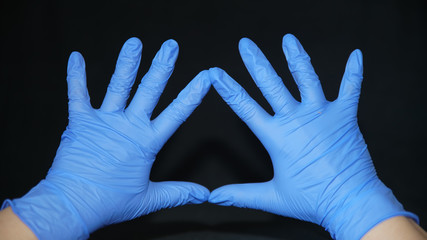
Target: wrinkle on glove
[
  {"x": 323, "y": 172},
  {"x": 100, "y": 174}
]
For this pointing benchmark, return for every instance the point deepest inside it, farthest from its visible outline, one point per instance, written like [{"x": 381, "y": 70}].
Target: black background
[{"x": 214, "y": 147}]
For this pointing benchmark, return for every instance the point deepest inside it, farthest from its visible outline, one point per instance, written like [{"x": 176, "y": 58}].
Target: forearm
[
  {"x": 11, "y": 227},
  {"x": 396, "y": 228}
]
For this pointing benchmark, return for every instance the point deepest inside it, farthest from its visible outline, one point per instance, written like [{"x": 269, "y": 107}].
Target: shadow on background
[{"x": 242, "y": 229}]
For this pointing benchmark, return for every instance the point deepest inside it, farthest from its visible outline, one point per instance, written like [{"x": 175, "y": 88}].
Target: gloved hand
[
  {"x": 100, "y": 174},
  {"x": 323, "y": 172}
]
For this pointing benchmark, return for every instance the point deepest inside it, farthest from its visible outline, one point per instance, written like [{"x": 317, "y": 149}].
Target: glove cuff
[
  {"x": 355, "y": 217},
  {"x": 48, "y": 213}
]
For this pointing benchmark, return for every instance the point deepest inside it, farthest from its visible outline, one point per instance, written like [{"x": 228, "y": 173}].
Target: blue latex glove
[
  {"x": 100, "y": 174},
  {"x": 323, "y": 172}
]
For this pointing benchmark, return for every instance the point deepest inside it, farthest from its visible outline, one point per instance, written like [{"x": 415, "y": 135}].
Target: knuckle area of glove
[
  {"x": 77, "y": 106},
  {"x": 241, "y": 101},
  {"x": 306, "y": 77},
  {"x": 126, "y": 65},
  {"x": 269, "y": 81},
  {"x": 272, "y": 90},
  {"x": 300, "y": 61},
  {"x": 162, "y": 67},
  {"x": 179, "y": 110},
  {"x": 149, "y": 90},
  {"x": 120, "y": 87},
  {"x": 245, "y": 109},
  {"x": 236, "y": 97}
]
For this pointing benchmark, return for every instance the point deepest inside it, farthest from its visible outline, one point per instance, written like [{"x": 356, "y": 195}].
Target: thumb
[
  {"x": 261, "y": 196},
  {"x": 172, "y": 194}
]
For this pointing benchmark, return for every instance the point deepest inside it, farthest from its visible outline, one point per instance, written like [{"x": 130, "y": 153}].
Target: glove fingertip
[
  {"x": 354, "y": 63},
  {"x": 200, "y": 191},
  {"x": 245, "y": 44},
  {"x": 221, "y": 199},
  {"x": 215, "y": 71},
  {"x": 133, "y": 45},
  {"x": 215, "y": 75},
  {"x": 168, "y": 53},
  {"x": 292, "y": 47},
  {"x": 218, "y": 195},
  {"x": 189, "y": 193},
  {"x": 195, "y": 90},
  {"x": 359, "y": 59},
  {"x": 215, "y": 198},
  {"x": 358, "y": 52},
  {"x": 171, "y": 43},
  {"x": 288, "y": 36},
  {"x": 75, "y": 54},
  {"x": 202, "y": 80},
  {"x": 200, "y": 195},
  {"x": 286, "y": 41},
  {"x": 75, "y": 62}
]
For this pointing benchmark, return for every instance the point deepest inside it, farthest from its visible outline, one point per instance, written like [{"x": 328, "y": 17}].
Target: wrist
[
  {"x": 362, "y": 209},
  {"x": 48, "y": 213},
  {"x": 396, "y": 228}
]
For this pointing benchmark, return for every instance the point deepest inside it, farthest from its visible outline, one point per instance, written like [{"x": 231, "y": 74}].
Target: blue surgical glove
[
  {"x": 101, "y": 171},
  {"x": 323, "y": 172}
]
